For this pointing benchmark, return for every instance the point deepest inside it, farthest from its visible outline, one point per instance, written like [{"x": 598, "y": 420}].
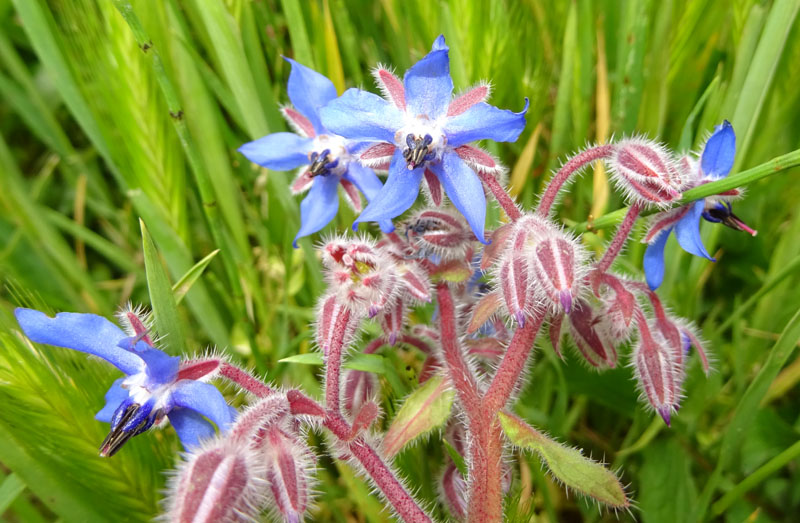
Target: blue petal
[
  {"x": 359, "y": 115},
  {"x": 191, "y": 427},
  {"x": 687, "y": 231},
  {"x": 319, "y": 206},
  {"x": 364, "y": 179},
  {"x": 464, "y": 189},
  {"x": 82, "y": 332},
  {"x": 398, "y": 194},
  {"x": 309, "y": 91},
  {"x": 428, "y": 85},
  {"x": 161, "y": 367},
  {"x": 654, "y": 260},
  {"x": 114, "y": 398},
  {"x": 439, "y": 44},
  {"x": 278, "y": 151},
  {"x": 485, "y": 122},
  {"x": 719, "y": 152},
  {"x": 205, "y": 399}
]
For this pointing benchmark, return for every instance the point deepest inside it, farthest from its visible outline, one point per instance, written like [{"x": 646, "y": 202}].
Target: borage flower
[
  {"x": 715, "y": 163},
  {"x": 330, "y": 159},
  {"x": 424, "y": 132},
  {"x": 153, "y": 387}
]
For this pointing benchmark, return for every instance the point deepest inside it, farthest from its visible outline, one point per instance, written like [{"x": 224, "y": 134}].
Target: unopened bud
[
  {"x": 439, "y": 232},
  {"x": 359, "y": 388},
  {"x": 587, "y": 329},
  {"x": 220, "y": 483},
  {"x": 645, "y": 172},
  {"x": 289, "y": 472},
  {"x": 655, "y": 368},
  {"x": 558, "y": 262},
  {"x": 392, "y": 319}
]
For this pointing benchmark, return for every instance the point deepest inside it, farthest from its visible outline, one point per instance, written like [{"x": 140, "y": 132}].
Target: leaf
[
  {"x": 425, "y": 409},
  {"x": 666, "y": 463},
  {"x": 183, "y": 285},
  {"x": 10, "y": 488},
  {"x": 454, "y": 271},
  {"x": 568, "y": 465},
  {"x": 373, "y": 363},
  {"x": 165, "y": 310},
  {"x": 457, "y": 458}
]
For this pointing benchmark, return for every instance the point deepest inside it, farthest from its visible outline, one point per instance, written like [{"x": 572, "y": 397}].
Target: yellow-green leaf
[
  {"x": 568, "y": 465},
  {"x": 425, "y": 409}
]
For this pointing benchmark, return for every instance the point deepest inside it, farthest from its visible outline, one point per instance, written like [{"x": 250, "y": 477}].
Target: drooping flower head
[
  {"x": 153, "y": 387},
  {"x": 328, "y": 160},
  {"x": 423, "y": 132},
  {"x": 715, "y": 163}
]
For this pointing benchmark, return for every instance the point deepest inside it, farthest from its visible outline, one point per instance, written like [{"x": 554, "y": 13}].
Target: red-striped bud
[
  {"x": 645, "y": 172},
  {"x": 221, "y": 482},
  {"x": 558, "y": 262},
  {"x": 392, "y": 319},
  {"x": 290, "y": 467},
  {"x": 655, "y": 367},
  {"x": 359, "y": 388},
  {"x": 442, "y": 233},
  {"x": 589, "y": 332}
]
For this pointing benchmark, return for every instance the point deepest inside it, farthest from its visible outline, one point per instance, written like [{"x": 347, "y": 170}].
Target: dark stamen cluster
[
  {"x": 418, "y": 150},
  {"x": 321, "y": 163}
]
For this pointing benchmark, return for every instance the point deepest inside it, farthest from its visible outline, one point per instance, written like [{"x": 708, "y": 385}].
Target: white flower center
[
  {"x": 329, "y": 155},
  {"x": 421, "y": 140}
]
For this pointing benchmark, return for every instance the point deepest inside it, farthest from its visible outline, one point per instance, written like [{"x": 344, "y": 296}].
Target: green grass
[{"x": 107, "y": 120}]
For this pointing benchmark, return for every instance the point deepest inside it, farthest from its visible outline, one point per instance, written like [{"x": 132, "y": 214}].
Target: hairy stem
[
  {"x": 500, "y": 194},
  {"x": 571, "y": 167},
  {"x": 384, "y": 478},
  {"x": 333, "y": 365},
  {"x": 245, "y": 380},
  {"x": 507, "y": 376},
  {"x": 621, "y": 236},
  {"x": 460, "y": 374},
  {"x": 486, "y": 475}
]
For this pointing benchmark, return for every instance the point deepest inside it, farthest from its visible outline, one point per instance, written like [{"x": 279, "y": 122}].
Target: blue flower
[
  {"x": 330, "y": 158},
  {"x": 151, "y": 389},
  {"x": 715, "y": 163},
  {"x": 426, "y": 133}
]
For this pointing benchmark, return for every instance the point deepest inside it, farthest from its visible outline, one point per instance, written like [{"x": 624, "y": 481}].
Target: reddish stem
[
  {"x": 507, "y": 375},
  {"x": 381, "y": 474},
  {"x": 333, "y": 367},
  {"x": 571, "y": 167},
  {"x": 500, "y": 195},
  {"x": 460, "y": 374},
  {"x": 620, "y": 237},
  {"x": 486, "y": 474},
  {"x": 245, "y": 380}
]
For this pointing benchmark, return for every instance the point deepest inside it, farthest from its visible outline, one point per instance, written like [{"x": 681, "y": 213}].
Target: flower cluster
[
  {"x": 495, "y": 293},
  {"x": 417, "y": 130}
]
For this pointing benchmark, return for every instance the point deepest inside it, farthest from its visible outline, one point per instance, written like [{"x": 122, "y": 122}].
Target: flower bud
[
  {"x": 655, "y": 368},
  {"x": 589, "y": 332},
  {"x": 290, "y": 469},
  {"x": 362, "y": 277},
  {"x": 453, "y": 491},
  {"x": 359, "y": 388},
  {"x": 392, "y": 319},
  {"x": 558, "y": 262},
  {"x": 645, "y": 172},
  {"x": 222, "y": 482},
  {"x": 440, "y": 233},
  {"x": 334, "y": 320}
]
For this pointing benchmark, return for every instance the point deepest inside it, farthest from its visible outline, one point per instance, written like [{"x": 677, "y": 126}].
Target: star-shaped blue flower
[
  {"x": 715, "y": 163},
  {"x": 426, "y": 131},
  {"x": 151, "y": 389},
  {"x": 330, "y": 158}
]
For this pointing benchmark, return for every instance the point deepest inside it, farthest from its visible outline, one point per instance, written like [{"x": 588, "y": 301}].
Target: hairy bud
[
  {"x": 359, "y": 388},
  {"x": 362, "y": 277},
  {"x": 221, "y": 482},
  {"x": 559, "y": 264},
  {"x": 645, "y": 172},
  {"x": 334, "y": 320},
  {"x": 440, "y": 233},
  {"x": 290, "y": 469},
  {"x": 589, "y": 332},
  {"x": 655, "y": 367}
]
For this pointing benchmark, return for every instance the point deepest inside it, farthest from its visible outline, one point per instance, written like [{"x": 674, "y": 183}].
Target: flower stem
[
  {"x": 384, "y": 478},
  {"x": 571, "y": 167},
  {"x": 244, "y": 380},
  {"x": 507, "y": 375},
  {"x": 486, "y": 474},
  {"x": 333, "y": 365},
  {"x": 460, "y": 374},
  {"x": 621, "y": 236},
  {"x": 500, "y": 194}
]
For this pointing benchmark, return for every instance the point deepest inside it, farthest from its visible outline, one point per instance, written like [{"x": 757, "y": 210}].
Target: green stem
[
  {"x": 769, "y": 468},
  {"x": 741, "y": 179}
]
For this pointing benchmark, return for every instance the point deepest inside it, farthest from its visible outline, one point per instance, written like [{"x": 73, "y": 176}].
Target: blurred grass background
[{"x": 91, "y": 141}]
